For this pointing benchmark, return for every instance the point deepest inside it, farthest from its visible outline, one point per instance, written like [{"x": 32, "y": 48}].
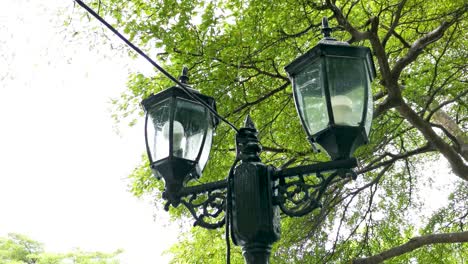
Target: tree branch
[
  {"x": 418, "y": 46},
  {"x": 396, "y": 20},
  {"x": 394, "y": 157},
  {"x": 356, "y": 34},
  {"x": 260, "y": 99},
  {"x": 414, "y": 243},
  {"x": 458, "y": 165}
]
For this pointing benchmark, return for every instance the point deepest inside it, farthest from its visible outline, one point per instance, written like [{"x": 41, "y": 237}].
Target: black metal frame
[
  {"x": 291, "y": 188},
  {"x": 210, "y": 206},
  {"x": 251, "y": 196},
  {"x": 253, "y": 192},
  {"x": 298, "y": 196}
]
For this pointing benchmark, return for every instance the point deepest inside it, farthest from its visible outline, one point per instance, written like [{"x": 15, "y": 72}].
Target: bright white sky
[{"x": 62, "y": 166}]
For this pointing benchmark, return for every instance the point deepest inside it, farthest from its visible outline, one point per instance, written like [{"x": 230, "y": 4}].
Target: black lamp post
[{"x": 331, "y": 84}]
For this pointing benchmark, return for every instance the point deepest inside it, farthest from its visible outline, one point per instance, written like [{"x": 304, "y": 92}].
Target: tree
[
  {"x": 19, "y": 249},
  {"x": 236, "y": 51}
]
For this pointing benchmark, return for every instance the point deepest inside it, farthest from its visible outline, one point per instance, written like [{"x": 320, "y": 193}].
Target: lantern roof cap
[
  {"x": 177, "y": 91},
  {"x": 332, "y": 41},
  {"x": 327, "y": 48}
]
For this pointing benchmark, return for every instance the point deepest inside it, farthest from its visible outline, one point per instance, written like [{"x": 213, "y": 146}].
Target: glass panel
[
  {"x": 370, "y": 107},
  {"x": 193, "y": 120},
  {"x": 347, "y": 81},
  {"x": 310, "y": 99},
  {"x": 207, "y": 146},
  {"x": 159, "y": 143}
]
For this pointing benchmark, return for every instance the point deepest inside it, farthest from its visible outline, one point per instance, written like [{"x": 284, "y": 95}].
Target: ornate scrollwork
[
  {"x": 206, "y": 208},
  {"x": 206, "y": 203},
  {"x": 299, "y": 195},
  {"x": 301, "y": 188}
]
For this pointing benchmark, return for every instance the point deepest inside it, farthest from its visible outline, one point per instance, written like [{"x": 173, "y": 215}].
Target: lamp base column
[{"x": 256, "y": 253}]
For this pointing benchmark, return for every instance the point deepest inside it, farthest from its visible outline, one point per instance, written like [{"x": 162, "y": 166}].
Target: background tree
[
  {"x": 236, "y": 51},
  {"x": 19, "y": 249}
]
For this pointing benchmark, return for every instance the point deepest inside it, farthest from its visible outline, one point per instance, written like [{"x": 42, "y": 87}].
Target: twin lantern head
[{"x": 332, "y": 93}]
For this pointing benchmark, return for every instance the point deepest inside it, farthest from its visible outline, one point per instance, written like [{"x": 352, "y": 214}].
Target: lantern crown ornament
[
  {"x": 178, "y": 133},
  {"x": 332, "y": 93}
]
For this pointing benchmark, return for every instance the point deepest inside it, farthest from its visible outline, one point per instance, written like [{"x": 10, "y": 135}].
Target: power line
[{"x": 161, "y": 69}]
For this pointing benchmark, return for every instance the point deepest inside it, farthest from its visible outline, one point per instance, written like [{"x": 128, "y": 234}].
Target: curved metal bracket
[
  {"x": 299, "y": 193},
  {"x": 298, "y": 196},
  {"x": 206, "y": 203},
  {"x": 210, "y": 206}
]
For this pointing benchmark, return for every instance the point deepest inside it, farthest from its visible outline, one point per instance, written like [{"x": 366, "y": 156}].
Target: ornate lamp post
[{"x": 331, "y": 85}]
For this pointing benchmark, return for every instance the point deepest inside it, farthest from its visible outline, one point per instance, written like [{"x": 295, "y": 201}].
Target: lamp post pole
[
  {"x": 255, "y": 219},
  {"x": 257, "y": 192}
]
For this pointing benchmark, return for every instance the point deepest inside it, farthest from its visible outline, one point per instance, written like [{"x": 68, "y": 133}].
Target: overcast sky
[{"x": 62, "y": 166}]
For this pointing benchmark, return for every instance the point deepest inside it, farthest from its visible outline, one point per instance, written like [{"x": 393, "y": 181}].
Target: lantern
[
  {"x": 333, "y": 96},
  {"x": 179, "y": 132}
]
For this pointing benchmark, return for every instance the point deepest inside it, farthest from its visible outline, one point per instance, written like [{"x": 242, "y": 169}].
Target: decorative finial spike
[
  {"x": 248, "y": 123},
  {"x": 184, "y": 77},
  {"x": 326, "y": 30}
]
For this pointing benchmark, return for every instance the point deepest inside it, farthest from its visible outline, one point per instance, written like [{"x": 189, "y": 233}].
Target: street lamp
[
  {"x": 182, "y": 132},
  {"x": 331, "y": 87},
  {"x": 332, "y": 94}
]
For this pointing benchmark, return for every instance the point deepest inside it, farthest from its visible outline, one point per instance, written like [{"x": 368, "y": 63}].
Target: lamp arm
[
  {"x": 299, "y": 193},
  {"x": 315, "y": 168},
  {"x": 205, "y": 202},
  {"x": 205, "y": 187}
]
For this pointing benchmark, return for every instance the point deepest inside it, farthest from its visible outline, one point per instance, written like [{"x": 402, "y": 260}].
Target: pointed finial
[
  {"x": 184, "y": 77},
  {"x": 248, "y": 123},
  {"x": 248, "y": 147},
  {"x": 326, "y": 30}
]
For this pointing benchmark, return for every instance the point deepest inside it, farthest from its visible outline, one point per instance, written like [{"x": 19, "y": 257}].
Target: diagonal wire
[{"x": 162, "y": 70}]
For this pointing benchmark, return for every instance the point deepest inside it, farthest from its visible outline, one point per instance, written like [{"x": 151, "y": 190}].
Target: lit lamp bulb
[
  {"x": 178, "y": 137},
  {"x": 342, "y": 109}
]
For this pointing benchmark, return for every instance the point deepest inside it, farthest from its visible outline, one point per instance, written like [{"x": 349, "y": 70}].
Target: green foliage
[
  {"x": 19, "y": 249},
  {"x": 236, "y": 51},
  {"x": 188, "y": 251}
]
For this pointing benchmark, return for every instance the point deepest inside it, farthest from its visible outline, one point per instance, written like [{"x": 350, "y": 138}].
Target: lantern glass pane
[
  {"x": 310, "y": 98},
  {"x": 370, "y": 108},
  {"x": 347, "y": 81},
  {"x": 193, "y": 119},
  {"x": 207, "y": 146},
  {"x": 159, "y": 144}
]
